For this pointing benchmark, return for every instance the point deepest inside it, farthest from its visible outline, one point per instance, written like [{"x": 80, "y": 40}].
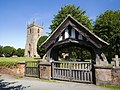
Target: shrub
[
  {"x": 41, "y": 50},
  {"x": 1, "y": 51},
  {"x": 8, "y": 51},
  {"x": 20, "y": 52}
]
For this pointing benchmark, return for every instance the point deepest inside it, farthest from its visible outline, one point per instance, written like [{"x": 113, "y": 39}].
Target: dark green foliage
[
  {"x": 15, "y": 51},
  {"x": 41, "y": 51},
  {"x": 1, "y": 52},
  {"x": 20, "y": 52},
  {"x": 8, "y": 51},
  {"x": 77, "y": 54},
  {"x": 107, "y": 26},
  {"x": 75, "y": 12}
]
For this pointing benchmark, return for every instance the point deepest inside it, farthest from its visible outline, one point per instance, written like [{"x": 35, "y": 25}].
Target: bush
[
  {"x": 8, "y": 51},
  {"x": 41, "y": 50},
  {"x": 20, "y": 52},
  {"x": 1, "y": 51}
]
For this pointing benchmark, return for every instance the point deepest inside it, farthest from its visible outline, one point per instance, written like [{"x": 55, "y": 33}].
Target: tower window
[
  {"x": 30, "y": 31},
  {"x": 38, "y": 31},
  {"x": 29, "y": 46}
]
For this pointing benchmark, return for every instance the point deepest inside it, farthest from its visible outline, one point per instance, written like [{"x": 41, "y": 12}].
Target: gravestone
[
  {"x": 101, "y": 61},
  {"x": 116, "y": 61},
  {"x": 98, "y": 60}
]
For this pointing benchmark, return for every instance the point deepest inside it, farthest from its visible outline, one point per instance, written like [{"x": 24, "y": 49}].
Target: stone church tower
[{"x": 34, "y": 32}]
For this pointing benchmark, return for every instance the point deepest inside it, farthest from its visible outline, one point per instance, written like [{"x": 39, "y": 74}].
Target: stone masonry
[
  {"x": 107, "y": 75},
  {"x": 34, "y": 32}
]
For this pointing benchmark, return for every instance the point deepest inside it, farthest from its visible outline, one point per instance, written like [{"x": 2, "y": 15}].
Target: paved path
[{"x": 28, "y": 83}]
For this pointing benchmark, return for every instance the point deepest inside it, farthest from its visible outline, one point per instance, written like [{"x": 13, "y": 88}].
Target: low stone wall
[
  {"x": 16, "y": 70},
  {"x": 116, "y": 76},
  {"x": 106, "y": 75},
  {"x": 6, "y": 70},
  {"x": 19, "y": 70}
]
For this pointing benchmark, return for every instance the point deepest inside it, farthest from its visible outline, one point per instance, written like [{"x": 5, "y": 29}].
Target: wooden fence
[
  {"x": 32, "y": 68},
  {"x": 72, "y": 71}
]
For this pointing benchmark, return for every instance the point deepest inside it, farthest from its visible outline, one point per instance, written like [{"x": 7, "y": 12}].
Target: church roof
[{"x": 74, "y": 23}]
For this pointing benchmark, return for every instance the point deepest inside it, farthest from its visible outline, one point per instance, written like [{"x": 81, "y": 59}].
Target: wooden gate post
[
  {"x": 52, "y": 64},
  {"x": 70, "y": 71},
  {"x": 25, "y": 67},
  {"x": 38, "y": 68}
]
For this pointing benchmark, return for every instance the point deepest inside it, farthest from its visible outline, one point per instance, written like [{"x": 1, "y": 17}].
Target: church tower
[{"x": 34, "y": 32}]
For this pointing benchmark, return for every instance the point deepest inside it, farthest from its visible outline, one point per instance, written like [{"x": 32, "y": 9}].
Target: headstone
[
  {"x": 117, "y": 60},
  {"x": 105, "y": 62},
  {"x": 98, "y": 60},
  {"x": 101, "y": 62}
]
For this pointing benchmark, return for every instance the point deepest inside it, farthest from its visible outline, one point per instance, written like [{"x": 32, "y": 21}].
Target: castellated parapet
[{"x": 34, "y": 32}]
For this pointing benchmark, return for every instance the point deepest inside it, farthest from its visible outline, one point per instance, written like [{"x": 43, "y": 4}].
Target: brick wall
[
  {"x": 45, "y": 70},
  {"x": 21, "y": 69}
]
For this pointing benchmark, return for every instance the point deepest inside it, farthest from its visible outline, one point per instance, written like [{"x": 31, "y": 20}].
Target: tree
[
  {"x": 20, "y": 52},
  {"x": 74, "y": 12},
  {"x": 41, "y": 50},
  {"x": 8, "y": 51},
  {"x": 107, "y": 26},
  {"x": 14, "y": 51},
  {"x": 1, "y": 51}
]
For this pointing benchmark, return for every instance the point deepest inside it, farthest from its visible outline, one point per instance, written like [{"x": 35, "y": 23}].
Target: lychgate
[{"x": 71, "y": 35}]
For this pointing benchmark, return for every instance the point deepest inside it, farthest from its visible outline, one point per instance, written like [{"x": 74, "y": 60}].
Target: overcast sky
[{"x": 15, "y": 14}]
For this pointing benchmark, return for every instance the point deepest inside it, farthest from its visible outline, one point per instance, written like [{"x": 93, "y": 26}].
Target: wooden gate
[
  {"x": 72, "y": 71},
  {"x": 32, "y": 68}
]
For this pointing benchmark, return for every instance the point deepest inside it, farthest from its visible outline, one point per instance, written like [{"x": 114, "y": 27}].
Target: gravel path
[{"x": 28, "y": 83}]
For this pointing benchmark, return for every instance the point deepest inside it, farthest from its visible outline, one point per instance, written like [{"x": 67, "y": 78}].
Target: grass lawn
[
  {"x": 13, "y": 61},
  {"x": 111, "y": 87}
]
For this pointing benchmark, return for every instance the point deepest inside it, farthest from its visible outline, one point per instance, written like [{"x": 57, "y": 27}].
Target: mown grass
[
  {"x": 8, "y": 62},
  {"x": 111, "y": 87}
]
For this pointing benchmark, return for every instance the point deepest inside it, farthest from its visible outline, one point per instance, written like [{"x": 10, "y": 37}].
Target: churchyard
[
  {"x": 76, "y": 54},
  {"x": 67, "y": 59}
]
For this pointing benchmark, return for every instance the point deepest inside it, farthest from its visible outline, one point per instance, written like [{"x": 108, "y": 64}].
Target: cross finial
[
  {"x": 117, "y": 60},
  {"x": 34, "y": 21}
]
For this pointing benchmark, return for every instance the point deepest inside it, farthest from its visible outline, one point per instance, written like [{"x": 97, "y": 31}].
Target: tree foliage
[
  {"x": 75, "y": 12},
  {"x": 77, "y": 54},
  {"x": 107, "y": 26},
  {"x": 8, "y": 51},
  {"x": 1, "y": 51},
  {"x": 20, "y": 52},
  {"x": 41, "y": 50}
]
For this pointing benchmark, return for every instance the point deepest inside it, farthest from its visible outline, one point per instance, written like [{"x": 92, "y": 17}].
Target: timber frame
[{"x": 72, "y": 33}]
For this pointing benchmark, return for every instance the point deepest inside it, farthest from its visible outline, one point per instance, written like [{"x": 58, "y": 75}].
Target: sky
[{"x": 16, "y": 14}]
